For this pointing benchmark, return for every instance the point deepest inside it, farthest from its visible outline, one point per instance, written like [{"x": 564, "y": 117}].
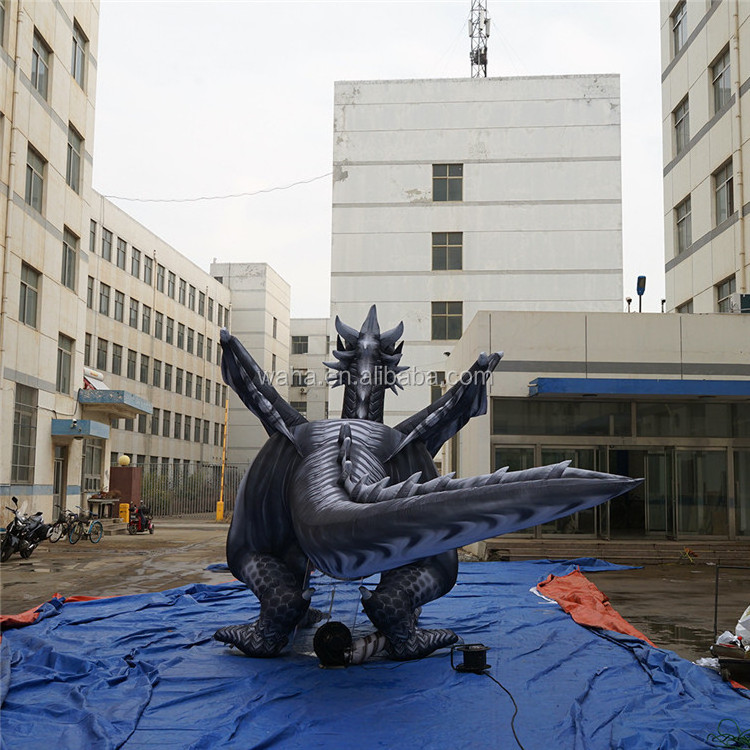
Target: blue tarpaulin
[{"x": 144, "y": 672}]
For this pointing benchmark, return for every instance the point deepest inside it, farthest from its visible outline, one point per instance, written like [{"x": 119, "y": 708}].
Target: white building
[
  {"x": 454, "y": 196},
  {"x": 705, "y": 55},
  {"x": 260, "y": 320},
  {"x": 308, "y": 387}
]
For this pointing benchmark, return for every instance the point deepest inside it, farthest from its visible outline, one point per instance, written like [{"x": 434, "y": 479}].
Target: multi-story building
[
  {"x": 310, "y": 347},
  {"x": 454, "y": 196},
  {"x": 705, "y": 52},
  {"x": 108, "y": 336},
  {"x": 260, "y": 320}
]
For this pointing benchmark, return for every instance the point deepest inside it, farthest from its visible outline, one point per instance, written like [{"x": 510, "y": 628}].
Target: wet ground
[{"x": 673, "y": 604}]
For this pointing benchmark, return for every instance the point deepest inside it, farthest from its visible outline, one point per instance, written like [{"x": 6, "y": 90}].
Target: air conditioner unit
[{"x": 739, "y": 303}]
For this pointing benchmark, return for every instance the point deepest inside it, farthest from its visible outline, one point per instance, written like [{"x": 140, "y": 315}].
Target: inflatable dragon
[{"x": 353, "y": 497}]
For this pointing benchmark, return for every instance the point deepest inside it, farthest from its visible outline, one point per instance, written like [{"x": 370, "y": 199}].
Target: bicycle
[
  {"x": 88, "y": 528},
  {"x": 61, "y": 528}
]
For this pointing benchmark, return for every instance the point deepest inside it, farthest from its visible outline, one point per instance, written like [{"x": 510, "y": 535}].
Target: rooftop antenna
[{"x": 479, "y": 31}]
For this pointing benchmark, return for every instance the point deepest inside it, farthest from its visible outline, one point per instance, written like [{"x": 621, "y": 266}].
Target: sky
[{"x": 226, "y": 98}]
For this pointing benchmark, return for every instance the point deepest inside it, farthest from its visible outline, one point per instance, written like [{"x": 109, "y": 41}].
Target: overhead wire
[{"x": 219, "y": 197}]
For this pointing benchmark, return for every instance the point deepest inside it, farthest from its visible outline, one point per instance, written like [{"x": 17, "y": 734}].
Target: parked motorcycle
[
  {"x": 23, "y": 534},
  {"x": 140, "y": 520}
]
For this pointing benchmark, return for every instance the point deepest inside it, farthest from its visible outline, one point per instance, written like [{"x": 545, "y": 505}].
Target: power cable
[{"x": 218, "y": 197}]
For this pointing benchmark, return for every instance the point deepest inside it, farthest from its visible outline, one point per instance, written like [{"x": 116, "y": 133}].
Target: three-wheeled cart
[{"x": 734, "y": 662}]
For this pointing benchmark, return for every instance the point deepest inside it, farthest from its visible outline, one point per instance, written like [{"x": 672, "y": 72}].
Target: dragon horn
[
  {"x": 371, "y": 324},
  {"x": 389, "y": 338},
  {"x": 347, "y": 332}
]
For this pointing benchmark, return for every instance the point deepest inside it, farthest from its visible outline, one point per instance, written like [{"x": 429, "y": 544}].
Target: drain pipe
[
  {"x": 737, "y": 160},
  {"x": 5, "y": 268}
]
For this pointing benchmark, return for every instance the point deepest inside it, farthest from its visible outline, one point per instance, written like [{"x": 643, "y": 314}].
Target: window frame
[
  {"x": 104, "y": 298},
  {"x": 69, "y": 269},
  {"x": 678, "y": 17},
  {"x": 28, "y": 300},
  {"x": 25, "y": 411},
  {"x": 78, "y": 55},
  {"x": 447, "y": 182},
  {"x": 65, "y": 352},
  {"x": 724, "y": 291},
  {"x": 723, "y": 185},
  {"x": 40, "y": 55},
  {"x": 681, "y": 122},
  {"x": 721, "y": 82},
  {"x": 36, "y": 167},
  {"x": 683, "y": 225},
  {"x": 447, "y": 251},
  {"x": 74, "y": 160},
  {"x": 445, "y": 316}
]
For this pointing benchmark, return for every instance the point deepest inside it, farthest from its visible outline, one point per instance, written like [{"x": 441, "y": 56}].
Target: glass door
[
  {"x": 660, "y": 496},
  {"x": 701, "y": 483},
  {"x": 583, "y": 522},
  {"x": 742, "y": 492}
]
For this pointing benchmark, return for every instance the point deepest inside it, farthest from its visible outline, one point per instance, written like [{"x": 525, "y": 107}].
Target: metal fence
[{"x": 189, "y": 488}]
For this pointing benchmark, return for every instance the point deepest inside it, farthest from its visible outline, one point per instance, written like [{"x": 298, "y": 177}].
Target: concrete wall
[
  {"x": 315, "y": 393},
  {"x": 540, "y": 215}
]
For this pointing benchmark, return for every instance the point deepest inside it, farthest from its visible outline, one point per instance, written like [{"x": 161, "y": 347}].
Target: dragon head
[{"x": 367, "y": 364}]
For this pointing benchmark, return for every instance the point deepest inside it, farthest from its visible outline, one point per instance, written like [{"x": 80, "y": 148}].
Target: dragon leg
[
  {"x": 393, "y": 607},
  {"x": 283, "y": 605}
]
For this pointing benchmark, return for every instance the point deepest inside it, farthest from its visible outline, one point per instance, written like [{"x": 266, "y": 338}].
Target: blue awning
[
  {"x": 114, "y": 403},
  {"x": 78, "y": 428},
  {"x": 645, "y": 387}
]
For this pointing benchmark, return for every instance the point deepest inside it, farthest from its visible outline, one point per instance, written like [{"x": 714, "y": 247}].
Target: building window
[
  {"x": 160, "y": 271},
  {"x": 681, "y": 117},
  {"x": 177, "y": 426},
  {"x": 217, "y": 393},
  {"x": 64, "y": 360},
  {"x": 299, "y": 344},
  {"x": 135, "y": 263},
  {"x": 145, "y": 367},
  {"x": 165, "y": 420},
  {"x": 24, "y": 435},
  {"x": 92, "y": 237},
  {"x": 724, "y": 292},
  {"x": 91, "y": 468},
  {"x": 132, "y": 355},
  {"x": 190, "y": 339},
  {"x": 275, "y": 327},
  {"x": 720, "y": 80},
  {"x": 156, "y": 379},
  {"x": 723, "y": 192},
  {"x": 300, "y": 406},
  {"x": 447, "y": 320},
  {"x": 73, "y": 168},
  {"x": 683, "y": 223},
  {"x": 69, "y": 259},
  {"x": 199, "y": 345},
  {"x": 34, "y": 179},
  {"x": 220, "y": 315},
  {"x": 106, "y": 244},
  {"x": 158, "y": 325},
  {"x": 133, "y": 313},
  {"x": 188, "y": 425},
  {"x": 148, "y": 270},
  {"x": 116, "y": 359},
  {"x": 447, "y": 182},
  {"x": 87, "y": 350},
  {"x": 78, "y": 58},
  {"x": 146, "y": 319},
  {"x": 167, "y": 377},
  {"x": 189, "y": 384},
  {"x": 90, "y": 293},
  {"x": 156, "y": 414},
  {"x": 178, "y": 380},
  {"x": 102, "y": 349},
  {"x": 180, "y": 335},
  {"x": 191, "y": 297},
  {"x": 209, "y": 350},
  {"x": 141, "y": 428},
  {"x": 197, "y": 433},
  {"x": 201, "y": 303},
  {"x": 207, "y": 391},
  {"x": 299, "y": 377},
  {"x": 217, "y": 433},
  {"x": 685, "y": 307},
  {"x": 210, "y": 309},
  {"x": 119, "y": 306},
  {"x": 169, "y": 335},
  {"x": 679, "y": 27},
  {"x": 104, "y": 299},
  {"x": 29, "y": 297},
  {"x": 206, "y": 426},
  {"x": 447, "y": 251},
  {"x": 183, "y": 290},
  {"x": 122, "y": 253},
  {"x": 171, "y": 280},
  {"x": 39, "y": 64},
  {"x": 437, "y": 383},
  {"x": 199, "y": 387}
]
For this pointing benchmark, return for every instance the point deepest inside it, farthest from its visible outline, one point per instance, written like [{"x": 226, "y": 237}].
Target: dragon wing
[
  {"x": 442, "y": 419},
  {"x": 245, "y": 377}
]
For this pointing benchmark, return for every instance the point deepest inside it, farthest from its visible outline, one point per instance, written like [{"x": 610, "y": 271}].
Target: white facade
[
  {"x": 260, "y": 320},
  {"x": 310, "y": 347},
  {"x": 537, "y": 224},
  {"x": 705, "y": 59}
]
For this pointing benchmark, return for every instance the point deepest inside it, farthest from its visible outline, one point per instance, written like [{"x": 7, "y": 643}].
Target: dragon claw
[{"x": 251, "y": 641}]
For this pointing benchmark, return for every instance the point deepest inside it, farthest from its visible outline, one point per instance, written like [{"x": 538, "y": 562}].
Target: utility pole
[{"x": 479, "y": 31}]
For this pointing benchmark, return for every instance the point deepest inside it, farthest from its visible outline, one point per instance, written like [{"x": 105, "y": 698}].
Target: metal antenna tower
[{"x": 479, "y": 31}]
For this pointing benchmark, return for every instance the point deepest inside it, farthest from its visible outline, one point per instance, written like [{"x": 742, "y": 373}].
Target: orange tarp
[{"x": 586, "y": 604}]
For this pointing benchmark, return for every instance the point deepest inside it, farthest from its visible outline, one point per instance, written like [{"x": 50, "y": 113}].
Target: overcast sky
[{"x": 219, "y": 98}]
